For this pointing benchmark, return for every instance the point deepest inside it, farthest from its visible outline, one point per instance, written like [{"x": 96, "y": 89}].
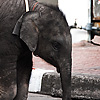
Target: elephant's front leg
[{"x": 24, "y": 67}]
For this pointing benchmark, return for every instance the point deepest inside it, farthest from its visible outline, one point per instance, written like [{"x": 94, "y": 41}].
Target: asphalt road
[{"x": 33, "y": 96}]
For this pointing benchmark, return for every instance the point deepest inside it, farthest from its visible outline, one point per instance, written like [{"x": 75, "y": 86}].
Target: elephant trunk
[{"x": 65, "y": 74}]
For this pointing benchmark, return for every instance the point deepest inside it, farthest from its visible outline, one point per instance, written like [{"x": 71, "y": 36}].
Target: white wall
[{"x": 75, "y": 9}]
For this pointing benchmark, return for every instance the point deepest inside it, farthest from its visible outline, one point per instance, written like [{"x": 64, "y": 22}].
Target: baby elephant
[{"x": 45, "y": 33}]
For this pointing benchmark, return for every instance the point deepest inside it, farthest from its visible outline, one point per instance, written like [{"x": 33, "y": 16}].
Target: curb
[{"x": 83, "y": 86}]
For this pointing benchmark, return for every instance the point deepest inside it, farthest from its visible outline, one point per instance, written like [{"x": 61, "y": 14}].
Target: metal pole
[{"x": 90, "y": 16}]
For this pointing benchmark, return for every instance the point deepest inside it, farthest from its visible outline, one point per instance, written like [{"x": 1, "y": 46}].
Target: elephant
[{"x": 43, "y": 32}]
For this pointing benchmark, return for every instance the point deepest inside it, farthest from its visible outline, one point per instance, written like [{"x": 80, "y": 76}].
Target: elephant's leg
[
  {"x": 23, "y": 75},
  {"x": 8, "y": 86},
  {"x": 7, "y": 91}
]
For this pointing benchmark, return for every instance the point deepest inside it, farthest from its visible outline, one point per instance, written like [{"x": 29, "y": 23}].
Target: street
[{"x": 33, "y": 96}]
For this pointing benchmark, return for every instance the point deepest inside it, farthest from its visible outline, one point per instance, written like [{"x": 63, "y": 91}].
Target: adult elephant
[{"x": 44, "y": 32}]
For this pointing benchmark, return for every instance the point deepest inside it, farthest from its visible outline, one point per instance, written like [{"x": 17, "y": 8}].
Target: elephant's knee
[{"x": 8, "y": 93}]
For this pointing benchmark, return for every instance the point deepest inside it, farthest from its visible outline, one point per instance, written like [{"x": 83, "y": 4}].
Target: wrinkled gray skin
[{"x": 44, "y": 32}]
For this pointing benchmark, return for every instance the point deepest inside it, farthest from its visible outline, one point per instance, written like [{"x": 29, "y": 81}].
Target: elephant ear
[{"x": 27, "y": 30}]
